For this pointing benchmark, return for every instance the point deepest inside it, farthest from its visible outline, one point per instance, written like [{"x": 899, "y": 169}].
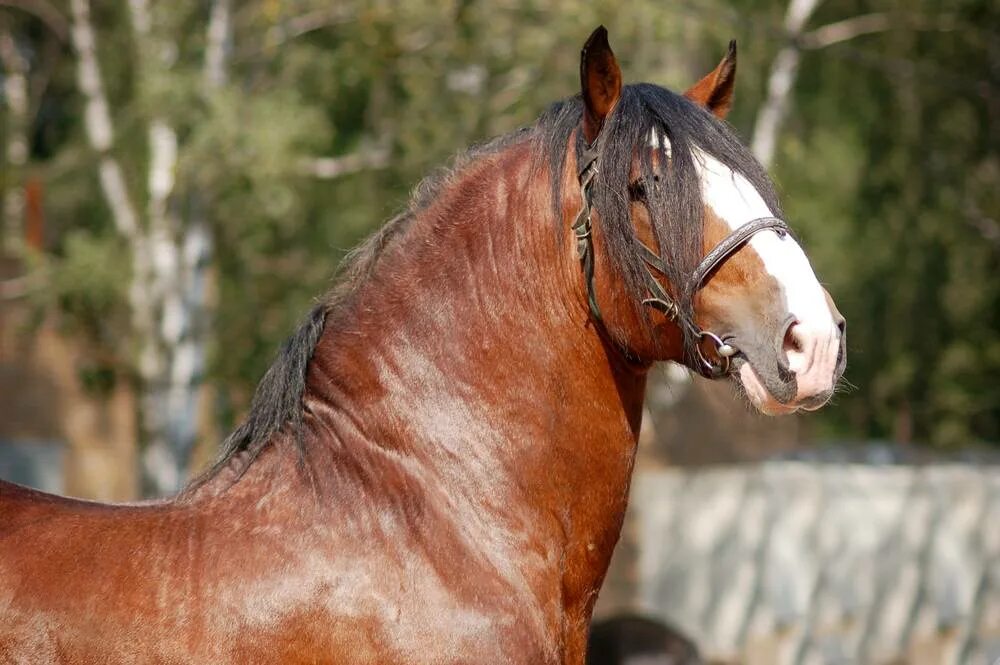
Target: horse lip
[
  {"x": 756, "y": 390},
  {"x": 816, "y": 402}
]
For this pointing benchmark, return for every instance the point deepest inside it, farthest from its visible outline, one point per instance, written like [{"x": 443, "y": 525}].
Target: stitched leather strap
[{"x": 731, "y": 244}]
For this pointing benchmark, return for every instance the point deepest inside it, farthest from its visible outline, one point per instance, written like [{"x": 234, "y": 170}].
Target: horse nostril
[
  {"x": 797, "y": 348},
  {"x": 791, "y": 342},
  {"x": 842, "y": 347}
]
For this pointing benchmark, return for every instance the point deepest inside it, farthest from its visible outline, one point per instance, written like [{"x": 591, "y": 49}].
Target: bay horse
[{"x": 435, "y": 468}]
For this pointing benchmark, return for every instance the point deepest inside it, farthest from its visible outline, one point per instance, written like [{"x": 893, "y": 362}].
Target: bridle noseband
[{"x": 658, "y": 298}]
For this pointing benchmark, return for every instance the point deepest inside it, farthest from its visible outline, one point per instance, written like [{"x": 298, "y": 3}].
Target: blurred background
[{"x": 180, "y": 180}]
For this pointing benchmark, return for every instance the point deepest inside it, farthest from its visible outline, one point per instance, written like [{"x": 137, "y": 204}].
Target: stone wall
[{"x": 807, "y": 562}]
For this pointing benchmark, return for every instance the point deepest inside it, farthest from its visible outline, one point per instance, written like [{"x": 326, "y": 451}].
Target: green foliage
[
  {"x": 86, "y": 282},
  {"x": 889, "y": 169},
  {"x": 89, "y": 281},
  {"x": 888, "y": 164}
]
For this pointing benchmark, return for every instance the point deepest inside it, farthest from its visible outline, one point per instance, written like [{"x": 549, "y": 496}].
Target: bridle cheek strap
[
  {"x": 659, "y": 299},
  {"x": 582, "y": 226}
]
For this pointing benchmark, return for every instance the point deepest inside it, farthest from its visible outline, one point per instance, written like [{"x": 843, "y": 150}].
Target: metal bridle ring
[{"x": 724, "y": 350}]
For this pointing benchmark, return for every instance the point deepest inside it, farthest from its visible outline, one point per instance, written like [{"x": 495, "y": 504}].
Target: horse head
[{"x": 685, "y": 253}]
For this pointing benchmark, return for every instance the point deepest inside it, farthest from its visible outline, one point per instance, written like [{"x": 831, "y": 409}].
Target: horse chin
[{"x": 758, "y": 393}]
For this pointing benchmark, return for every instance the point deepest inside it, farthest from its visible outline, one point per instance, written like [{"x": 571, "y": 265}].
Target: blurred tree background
[{"x": 180, "y": 180}]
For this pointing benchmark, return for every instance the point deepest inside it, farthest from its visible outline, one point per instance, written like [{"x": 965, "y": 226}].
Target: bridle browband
[{"x": 659, "y": 299}]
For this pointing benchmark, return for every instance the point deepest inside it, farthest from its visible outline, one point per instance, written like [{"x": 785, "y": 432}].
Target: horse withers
[{"x": 435, "y": 468}]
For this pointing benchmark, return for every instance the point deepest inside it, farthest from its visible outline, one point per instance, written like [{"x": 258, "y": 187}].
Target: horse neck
[{"x": 466, "y": 362}]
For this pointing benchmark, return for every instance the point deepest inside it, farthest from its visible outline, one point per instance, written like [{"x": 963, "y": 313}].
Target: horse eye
[{"x": 637, "y": 191}]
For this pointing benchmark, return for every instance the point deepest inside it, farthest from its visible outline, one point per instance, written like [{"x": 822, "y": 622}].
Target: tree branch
[
  {"x": 784, "y": 70},
  {"x": 296, "y": 27},
  {"x": 308, "y": 22},
  {"x": 330, "y": 168},
  {"x": 841, "y": 31}
]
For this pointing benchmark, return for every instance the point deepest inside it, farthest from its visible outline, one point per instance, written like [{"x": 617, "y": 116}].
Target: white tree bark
[
  {"x": 100, "y": 133},
  {"x": 169, "y": 258},
  {"x": 163, "y": 466},
  {"x": 172, "y": 256},
  {"x": 15, "y": 94},
  {"x": 97, "y": 120},
  {"x": 219, "y": 40},
  {"x": 186, "y": 324},
  {"x": 196, "y": 257},
  {"x": 784, "y": 70},
  {"x": 181, "y": 253}
]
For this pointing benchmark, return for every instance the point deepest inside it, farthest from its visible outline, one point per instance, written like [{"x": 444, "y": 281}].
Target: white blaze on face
[{"x": 736, "y": 201}]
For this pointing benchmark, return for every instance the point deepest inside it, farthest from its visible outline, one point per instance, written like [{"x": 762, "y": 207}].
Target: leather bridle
[{"x": 658, "y": 298}]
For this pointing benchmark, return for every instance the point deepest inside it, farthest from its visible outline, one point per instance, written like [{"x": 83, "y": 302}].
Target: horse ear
[
  {"x": 715, "y": 91},
  {"x": 600, "y": 80}
]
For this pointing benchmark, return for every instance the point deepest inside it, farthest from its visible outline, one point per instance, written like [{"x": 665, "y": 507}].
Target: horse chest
[
  {"x": 415, "y": 610},
  {"x": 323, "y": 598}
]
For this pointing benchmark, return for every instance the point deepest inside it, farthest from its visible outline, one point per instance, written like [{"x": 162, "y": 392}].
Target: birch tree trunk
[
  {"x": 15, "y": 150},
  {"x": 171, "y": 237},
  {"x": 171, "y": 256},
  {"x": 785, "y": 68},
  {"x": 187, "y": 326},
  {"x": 100, "y": 134},
  {"x": 780, "y": 81},
  {"x": 97, "y": 121},
  {"x": 182, "y": 251},
  {"x": 162, "y": 461}
]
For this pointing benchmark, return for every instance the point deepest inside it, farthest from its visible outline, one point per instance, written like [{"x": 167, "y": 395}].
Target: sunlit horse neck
[
  {"x": 456, "y": 370},
  {"x": 458, "y": 398},
  {"x": 435, "y": 468}
]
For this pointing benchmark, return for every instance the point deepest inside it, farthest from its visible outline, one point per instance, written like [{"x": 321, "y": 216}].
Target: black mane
[{"x": 675, "y": 205}]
